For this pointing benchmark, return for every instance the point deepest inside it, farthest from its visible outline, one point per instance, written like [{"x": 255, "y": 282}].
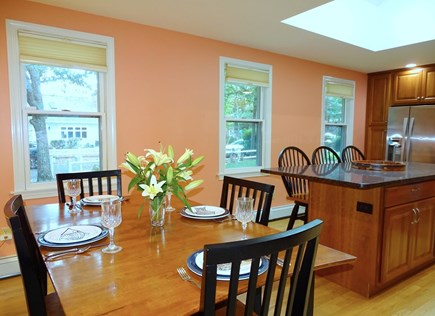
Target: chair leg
[{"x": 293, "y": 216}]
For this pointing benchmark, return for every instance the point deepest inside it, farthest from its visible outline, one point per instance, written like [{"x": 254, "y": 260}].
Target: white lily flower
[
  {"x": 153, "y": 189},
  {"x": 188, "y": 153},
  {"x": 186, "y": 175},
  {"x": 159, "y": 157}
]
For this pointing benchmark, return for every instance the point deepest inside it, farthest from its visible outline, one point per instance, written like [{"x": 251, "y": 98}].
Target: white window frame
[
  {"x": 349, "y": 111},
  {"x": 17, "y": 97},
  {"x": 266, "y": 112}
]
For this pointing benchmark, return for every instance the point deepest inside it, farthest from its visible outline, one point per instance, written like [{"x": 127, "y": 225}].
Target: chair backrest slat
[
  {"x": 351, "y": 153},
  {"x": 324, "y": 155},
  {"x": 262, "y": 194}
]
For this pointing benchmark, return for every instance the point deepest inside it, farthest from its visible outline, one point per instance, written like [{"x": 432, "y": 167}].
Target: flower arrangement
[{"x": 157, "y": 172}]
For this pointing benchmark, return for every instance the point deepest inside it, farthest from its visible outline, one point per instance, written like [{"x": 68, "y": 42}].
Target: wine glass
[
  {"x": 169, "y": 207},
  {"x": 111, "y": 217},
  {"x": 73, "y": 189},
  {"x": 244, "y": 206}
]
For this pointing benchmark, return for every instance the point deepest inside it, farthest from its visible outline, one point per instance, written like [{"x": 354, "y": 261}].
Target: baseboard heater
[{"x": 9, "y": 266}]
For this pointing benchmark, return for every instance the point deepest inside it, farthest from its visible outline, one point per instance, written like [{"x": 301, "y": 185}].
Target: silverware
[
  {"x": 73, "y": 251},
  {"x": 186, "y": 277},
  {"x": 225, "y": 219}
]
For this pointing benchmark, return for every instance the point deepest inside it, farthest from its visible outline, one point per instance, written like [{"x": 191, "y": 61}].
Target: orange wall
[{"x": 167, "y": 89}]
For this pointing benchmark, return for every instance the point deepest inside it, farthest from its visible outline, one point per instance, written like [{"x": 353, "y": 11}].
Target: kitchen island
[{"x": 384, "y": 218}]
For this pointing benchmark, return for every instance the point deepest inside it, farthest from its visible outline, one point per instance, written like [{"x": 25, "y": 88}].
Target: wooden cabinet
[
  {"x": 416, "y": 86},
  {"x": 390, "y": 230},
  {"x": 408, "y": 238},
  {"x": 378, "y": 96},
  {"x": 409, "y": 228},
  {"x": 396, "y": 87}
]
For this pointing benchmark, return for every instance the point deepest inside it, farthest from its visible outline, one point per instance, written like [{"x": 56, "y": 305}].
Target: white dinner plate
[
  {"x": 43, "y": 242},
  {"x": 195, "y": 264},
  {"x": 205, "y": 211},
  {"x": 185, "y": 214},
  {"x": 72, "y": 234},
  {"x": 97, "y": 199}
]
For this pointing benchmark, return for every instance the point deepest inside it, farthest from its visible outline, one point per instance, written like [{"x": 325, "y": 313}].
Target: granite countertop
[{"x": 345, "y": 175}]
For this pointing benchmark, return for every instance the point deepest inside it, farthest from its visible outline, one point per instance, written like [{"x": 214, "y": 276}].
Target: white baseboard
[
  {"x": 282, "y": 211},
  {"x": 9, "y": 266}
]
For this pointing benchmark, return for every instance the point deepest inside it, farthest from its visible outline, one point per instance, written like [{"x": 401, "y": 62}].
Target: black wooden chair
[
  {"x": 351, "y": 153},
  {"x": 32, "y": 266},
  {"x": 262, "y": 193},
  {"x": 303, "y": 241},
  {"x": 297, "y": 188},
  {"x": 96, "y": 182},
  {"x": 324, "y": 154}
]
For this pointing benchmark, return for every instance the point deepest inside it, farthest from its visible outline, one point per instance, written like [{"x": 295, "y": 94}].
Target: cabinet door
[
  {"x": 428, "y": 88},
  {"x": 378, "y": 96},
  {"x": 396, "y": 242},
  {"x": 407, "y": 87},
  {"x": 375, "y": 142},
  {"x": 423, "y": 243}
]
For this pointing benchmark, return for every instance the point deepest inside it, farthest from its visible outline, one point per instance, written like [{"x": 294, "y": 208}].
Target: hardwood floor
[{"x": 413, "y": 297}]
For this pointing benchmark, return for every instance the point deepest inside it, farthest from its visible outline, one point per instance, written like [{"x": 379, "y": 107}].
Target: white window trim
[
  {"x": 267, "y": 115},
  {"x": 349, "y": 111},
  {"x": 16, "y": 98}
]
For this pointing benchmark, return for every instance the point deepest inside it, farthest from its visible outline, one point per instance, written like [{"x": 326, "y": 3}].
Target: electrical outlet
[{"x": 5, "y": 233}]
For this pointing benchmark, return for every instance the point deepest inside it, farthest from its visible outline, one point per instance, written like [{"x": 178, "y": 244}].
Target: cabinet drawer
[{"x": 409, "y": 193}]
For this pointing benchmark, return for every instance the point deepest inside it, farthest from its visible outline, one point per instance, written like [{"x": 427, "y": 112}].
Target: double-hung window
[
  {"x": 245, "y": 117},
  {"x": 337, "y": 114},
  {"x": 62, "y": 104}
]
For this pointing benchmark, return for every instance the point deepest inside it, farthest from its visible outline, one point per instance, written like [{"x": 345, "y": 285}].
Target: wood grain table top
[{"x": 141, "y": 279}]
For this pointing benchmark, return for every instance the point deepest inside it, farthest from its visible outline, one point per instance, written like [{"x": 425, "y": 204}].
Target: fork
[
  {"x": 74, "y": 251},
  {"x": 186, "y": 277}
]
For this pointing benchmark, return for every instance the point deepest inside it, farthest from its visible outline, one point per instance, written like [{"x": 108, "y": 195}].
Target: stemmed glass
[
  {"x": 169, "y": 207},
  {"x": 111, "y": 217},
  {"x": 73, "y": 189},
  {"x": 244, "y": 208}
]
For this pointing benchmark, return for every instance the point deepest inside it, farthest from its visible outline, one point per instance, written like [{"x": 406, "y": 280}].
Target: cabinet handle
[
  {"x": 418, "y": 214},
  {"x": 415, "y": 189},
  {"x": 414, "y": 216}
]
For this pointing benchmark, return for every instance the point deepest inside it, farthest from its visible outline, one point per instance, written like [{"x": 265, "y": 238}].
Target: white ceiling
[{"x": 256, "y": 24}]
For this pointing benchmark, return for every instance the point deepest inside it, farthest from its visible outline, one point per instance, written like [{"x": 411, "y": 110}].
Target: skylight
[{"x": 371, "y": 24}]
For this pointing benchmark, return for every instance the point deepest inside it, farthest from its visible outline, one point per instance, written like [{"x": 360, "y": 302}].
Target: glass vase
[{"x": 157, "y": 213}]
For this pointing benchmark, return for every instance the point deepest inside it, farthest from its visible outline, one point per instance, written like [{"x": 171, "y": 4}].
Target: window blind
[
  {"x": 247, "y": 75},
  {"x": 61, "y": 52},
  {"x": 339, "y": 89}
]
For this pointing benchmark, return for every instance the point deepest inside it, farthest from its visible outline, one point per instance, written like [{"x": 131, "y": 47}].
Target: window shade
[
  {"x": 339, "y": 89},
  {"x": 61, "y": 52},
  {"x": 248, "y": 76}
]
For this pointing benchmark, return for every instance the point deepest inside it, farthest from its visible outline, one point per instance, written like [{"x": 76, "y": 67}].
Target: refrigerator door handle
[
  {"x": 408, "y": 140},
  {"x": 405, "y": 139}
]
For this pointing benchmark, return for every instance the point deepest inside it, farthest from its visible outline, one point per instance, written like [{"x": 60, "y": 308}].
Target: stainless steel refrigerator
[{"x": 411, "y": 134}]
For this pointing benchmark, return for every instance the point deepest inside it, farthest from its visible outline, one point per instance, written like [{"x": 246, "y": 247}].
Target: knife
[{"x": 74, "y": 251}]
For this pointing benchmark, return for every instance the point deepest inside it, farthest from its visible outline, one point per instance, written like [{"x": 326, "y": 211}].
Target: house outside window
[
  {"x": 337, "y": 114},
  {"x": 62, "y": 104},
  {"x": 245, "y": 117}
]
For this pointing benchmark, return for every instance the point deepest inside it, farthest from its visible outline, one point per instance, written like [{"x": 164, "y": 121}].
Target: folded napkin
[{"x": 202, "y": 210}]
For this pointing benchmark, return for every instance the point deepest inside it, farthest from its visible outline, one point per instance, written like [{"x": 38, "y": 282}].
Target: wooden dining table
[{"x": 141, "y": 279}]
